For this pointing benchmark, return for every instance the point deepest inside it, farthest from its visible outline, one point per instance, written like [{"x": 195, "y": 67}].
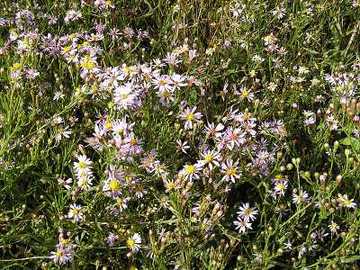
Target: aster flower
[
  {"x": 72, "y": 15},
  {"x": 262, "y": 161},
  {"x": 280, "y": 185},
  {"x": 76, "y": 213},
  {"x": 147, "y": 73},
  {"x": 310, "y": 118},
  {"x": 58, "y": 95},
  {"x": 129, "y": 146},
  {"x": 234, "y": 137},
  {"x": 178, "y": 80},
  {"x": 88, "y": 62},
  {"x": 64, "y": 251},
  {"x": 138, "y": 189},
  {"x": 120, "y": 127},
  {"x": 112, "y": 187},
  {"x": 158, "y": 63},
  {"x": 172, "y": 59},
  {"x": 111, "y": 239},
  {"x": 84, "y": 180},
  {"x": 190, "y": 117},
  {"x": 83, "y": 172},
  {"x": 210, "y": 158},
  {"x": 166, "y": 96},
  {"x": 280, "y": 188},
  {"x": 62, "y": 133},
  {"x": 300, "y": 197},
  {"x": 230, "y": 170},
  {"x": 249, "y": 127},
  {"x": 129, "y": 71},
  {"x": 242, "y": 225},
  {"x": 191, "y": 171},
  {"x": 65, "y": 183},
  {"x": 165, "y": 88},
  {"x": 149, "y": 161},
  {"x": 246, "y": 93},
  {"x": 182, "y": 146},
  {"x": 279, "y": 12},
  {"x": 3, "y": 22},
  {"x": 163, "y": 82},
  {"x": 111, "y": 78},
  {"x": 121, "y": 203},
  {"x": 128, "y": 32},
  {"x": 288, "y": 245},
  {"x": 62, "y": 255},
  {"x": 134, "y": 243},
  {"x": 344, "y": 201},
  {"x": 170, "y": 185},
  {"x": 114, "y": 33},
  {"x": 31, "y": 73},
  {"x": 126, "y": 97},
  {"x": 333, "y": 227},
  {"x": 244, "y": 117},
  {"x": 83, "y": 164},
  {"x": 213, "y": 131},
  {"x": 247, "y": 213},
  {"x": 24, "y": 18}
]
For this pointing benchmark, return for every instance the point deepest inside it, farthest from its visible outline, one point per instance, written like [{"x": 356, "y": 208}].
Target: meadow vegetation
[{"x": 189, "y": 134}]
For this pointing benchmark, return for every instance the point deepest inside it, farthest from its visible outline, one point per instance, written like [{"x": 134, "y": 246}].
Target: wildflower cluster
[{"x": 179, "y": 135}]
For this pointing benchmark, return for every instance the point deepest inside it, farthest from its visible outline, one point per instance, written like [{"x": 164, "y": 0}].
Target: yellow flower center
[
  {"x": 126, "y": 70},
  {"x": 66, "y": 49},
  {"x": 65, "y": 241},
  {"x": 130, "y": 243},
  {"x": 82, "y": 164},
  {"x": 124, "y": 95},
  {"x": 347, "y": 202},
  {"x": 128, "y": 178},
  {"x": 209, "y": 158},
  {"x": 114, "y": 185},
  {"x": 190, "y": 169},
  {"x": 245, "y": 93},
  {"x": 16, "y": 66},
  {"x": 247, "y": 212},
  {"x": 166, "y": 94},
  {"x": 280, "y": 186},
  {"x": 59, "y": 253},
  {"x": 133, "y": 141},
  {"x": 170, "y": 185},
  {"x": 88, "y": 63},
  {"x": 190, "y": 117},
  {"x": 231, "y": 171},
  {"x": 108, "y": 125}
]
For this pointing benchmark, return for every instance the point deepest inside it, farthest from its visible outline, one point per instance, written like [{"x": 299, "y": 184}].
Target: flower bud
[{"x": 338, "y": 179}]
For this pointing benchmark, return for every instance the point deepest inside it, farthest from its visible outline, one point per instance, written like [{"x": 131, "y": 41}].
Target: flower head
[
  {"x": 190, "y": 116},
  {"x": 191, "y": 171},
  {"x": 230, "y": 170},
  {"x": 344, "y": 201},
  {"x": 76, "y": 213},
  {"x": 134, "y": 242},
  {"x": 247, "y": 213},
  {"x": 242, "y": 225}
]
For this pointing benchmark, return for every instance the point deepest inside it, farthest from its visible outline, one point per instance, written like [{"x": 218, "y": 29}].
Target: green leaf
[{"x": 353, "y": 142}]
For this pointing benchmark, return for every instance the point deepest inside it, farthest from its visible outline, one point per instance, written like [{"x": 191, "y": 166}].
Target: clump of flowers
[
  {"x": 83, "y": 171},
  {"x": 64, "y": 253},
  {"x": 159, "y": 136}
]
